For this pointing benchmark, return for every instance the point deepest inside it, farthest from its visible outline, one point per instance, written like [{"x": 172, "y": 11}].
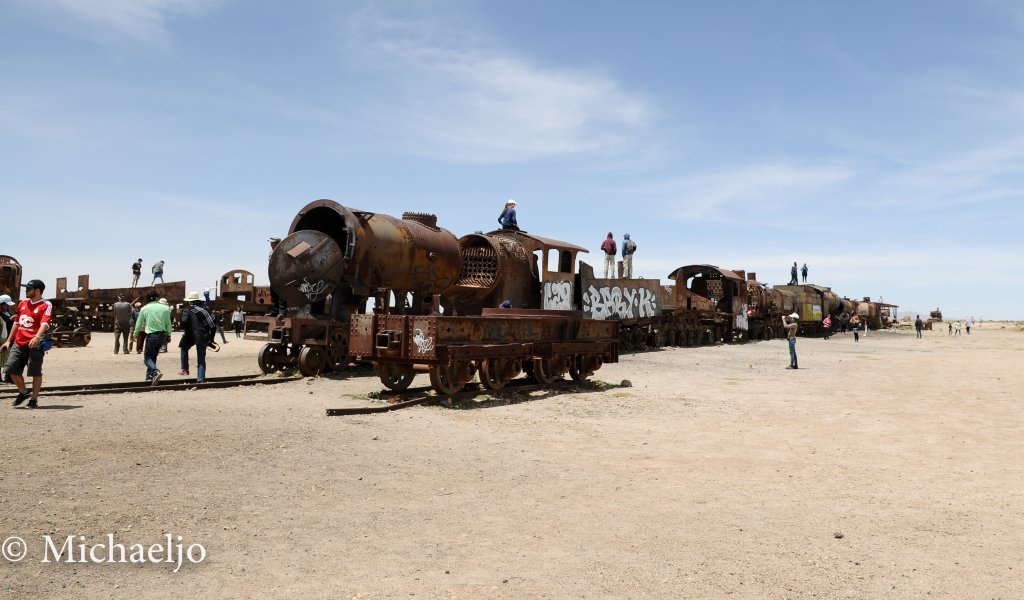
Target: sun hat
[
  {"x": 511, "y": 201},
  {"x": 163, "y": 301},
  {"x": 794, "y": 316},
  {"x": 193, "y": 296}
]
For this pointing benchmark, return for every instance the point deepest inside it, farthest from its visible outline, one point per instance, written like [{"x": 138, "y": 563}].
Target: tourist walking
[
  {"x": 158, "y": 272},
  {"x": 136, "y": 272},
  {"x": 918, "y": 326},
  {"x": 957, "y": 328},
  {"x": 122, "y": 324},
  {"x": 237, "y": 320},
  {"x": 154, "y": 327},
  {"x": 791, "y": 324},
  {"x": 967, "y": 325},
  {"x": 609, "y": 249},
  {"x": 628, "y": 248},
  {"x": 131, "y": 337},
  {"x": 197, "y": 329},
  {"x": 26, "y": 341},
  {"x": 218, "y": 321},
  {"x": 507, "y": 218}
]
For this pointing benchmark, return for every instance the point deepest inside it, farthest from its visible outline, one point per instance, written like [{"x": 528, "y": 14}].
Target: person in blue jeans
[
  {"x": 154, "y": 326},
  {"x": 791, "y": 324},
  {"x": 918, "y": 325}
]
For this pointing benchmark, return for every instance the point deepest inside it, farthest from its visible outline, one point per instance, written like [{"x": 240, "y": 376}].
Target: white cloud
[
  {"x": 142, "y": 20},
  {"x": 452, "y": 95},
  {"x": 752, "y": 188}
]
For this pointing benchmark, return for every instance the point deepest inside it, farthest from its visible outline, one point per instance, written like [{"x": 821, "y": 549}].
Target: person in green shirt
[{"x": 153, "y": 325}]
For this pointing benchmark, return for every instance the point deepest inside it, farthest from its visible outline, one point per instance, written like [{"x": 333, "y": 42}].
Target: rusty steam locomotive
[{"x": 435, "y": 302}]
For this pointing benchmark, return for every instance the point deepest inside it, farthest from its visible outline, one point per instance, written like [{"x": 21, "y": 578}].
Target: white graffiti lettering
[
  {"x": 557, "y": 295},
  {"x": 423, "y": 344},
  {"x": 313, "y": 291},
  {"x": 629, "y": 303}
]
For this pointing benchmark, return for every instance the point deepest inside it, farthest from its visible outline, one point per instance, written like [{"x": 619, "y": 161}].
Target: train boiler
[{"x": 333, "y": 260}]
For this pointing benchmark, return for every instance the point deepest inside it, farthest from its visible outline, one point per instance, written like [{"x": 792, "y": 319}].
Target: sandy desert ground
[{"x": 888, "y": 468}]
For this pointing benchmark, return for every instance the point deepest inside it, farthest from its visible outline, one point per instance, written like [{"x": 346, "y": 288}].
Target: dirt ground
[{"x": 888, "y": 468}]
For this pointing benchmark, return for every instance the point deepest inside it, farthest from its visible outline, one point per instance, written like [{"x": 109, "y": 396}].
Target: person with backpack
[
  {"x": 197, "y": 329},
  {"x": 628, "y": 248},
  {"x": 507, "y": 218}
]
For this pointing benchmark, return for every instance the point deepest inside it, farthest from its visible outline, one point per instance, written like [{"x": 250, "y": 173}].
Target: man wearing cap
[
  {"x": 131, "y": 327},
  {"x": 32, "y": 320},
  {"x": 628, "y": 248},
  {"x": 153, "y": 325},
  {"x": 508, "y": 216},
  {"x": 122, "y": 323},
  {"x": 277, "y": 305},
  {"x": 791, "y": 323}
]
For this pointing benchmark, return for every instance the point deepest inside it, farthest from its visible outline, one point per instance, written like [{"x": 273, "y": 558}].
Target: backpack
[{"x": 630, "y": 246}]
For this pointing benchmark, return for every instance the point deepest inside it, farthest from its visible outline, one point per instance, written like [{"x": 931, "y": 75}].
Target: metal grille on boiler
[{"x": 479, "y": 267}]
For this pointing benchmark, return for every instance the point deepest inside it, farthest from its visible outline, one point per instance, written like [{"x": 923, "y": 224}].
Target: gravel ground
[{"x": 888, "y": 468}]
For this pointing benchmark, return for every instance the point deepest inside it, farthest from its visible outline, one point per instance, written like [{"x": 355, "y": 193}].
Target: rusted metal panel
[
  {"x": 361, "y": 335},
  {"x": 10, "y": 277},
  {"x": 808, "y": 302}
]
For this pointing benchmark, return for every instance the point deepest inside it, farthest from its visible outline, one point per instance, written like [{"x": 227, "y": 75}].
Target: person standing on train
[
  {"x": 609, "y": 248},
  {"x": 628, "y": 248},
  {"x": 792, "y": 275},
  {"x": 803, "y": 272},
  {"x": 791, "y": 324}
]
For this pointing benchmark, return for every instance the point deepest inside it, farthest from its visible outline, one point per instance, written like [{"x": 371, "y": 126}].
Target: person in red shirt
[{"x": 32, "y": 319}]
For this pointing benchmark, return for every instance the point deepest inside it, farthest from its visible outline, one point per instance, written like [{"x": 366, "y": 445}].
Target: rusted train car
[
  {"x": 10, "y": 277},
  {"x": 435, "y": 301}
]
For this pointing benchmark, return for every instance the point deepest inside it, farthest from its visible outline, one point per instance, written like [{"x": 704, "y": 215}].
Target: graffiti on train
[
  {"x": 557, "y": 295},
  {"x": 626, "y": 303}
]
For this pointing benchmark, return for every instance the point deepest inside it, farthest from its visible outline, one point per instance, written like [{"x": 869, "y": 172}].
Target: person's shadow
[{"x": 51, "y": 407}]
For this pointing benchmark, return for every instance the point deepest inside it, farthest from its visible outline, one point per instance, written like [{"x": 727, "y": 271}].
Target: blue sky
[{"x": 882, "y": 143}]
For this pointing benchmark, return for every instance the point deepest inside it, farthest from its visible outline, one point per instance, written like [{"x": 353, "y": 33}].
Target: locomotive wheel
[
  {"x": 269, "y": 357},
  {"x": 495, "y": 373},
  {"x": 312, "y": 360},
  {"x": 337, "y": 352},
  {"x": 82, "y": 336},
  {"x": 395, "y": 377},
  {"x": 445, "y": 379},
  {"x": 548, "y": 371},
  {"x": 583, "y": 366}
]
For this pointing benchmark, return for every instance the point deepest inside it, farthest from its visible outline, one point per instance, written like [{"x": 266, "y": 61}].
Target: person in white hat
[
  {"x": 197, "y": 329},
  {"x": 791, "y": 323},
  {"x": 507, "y": 218}
]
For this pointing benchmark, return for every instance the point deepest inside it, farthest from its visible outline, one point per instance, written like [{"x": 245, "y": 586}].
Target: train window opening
[{"x": 565, "y": 262}]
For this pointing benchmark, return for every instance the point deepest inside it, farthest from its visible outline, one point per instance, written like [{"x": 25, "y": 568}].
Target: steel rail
[
  {"x": 143, "y": 386},
  {"x": 400, "y": 400}
]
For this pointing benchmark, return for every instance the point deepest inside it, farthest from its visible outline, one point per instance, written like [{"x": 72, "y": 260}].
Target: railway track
[
  {"x": 426, "y": 395},
  {"x": 144, "y": 386}
]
